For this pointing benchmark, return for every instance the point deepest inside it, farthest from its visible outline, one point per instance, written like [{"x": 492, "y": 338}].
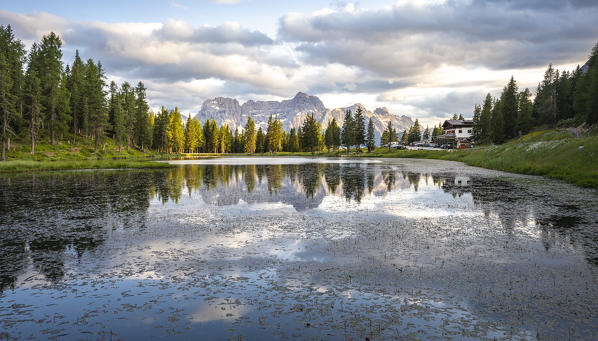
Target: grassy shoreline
[
  {"x": 15, "y": 166},
  {"x": 550, "y": 153}
]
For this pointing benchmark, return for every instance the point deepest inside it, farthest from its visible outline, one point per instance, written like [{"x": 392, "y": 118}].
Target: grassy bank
[
  {"x": 31, "y": 165},
  {"x": 551, "y": 153},
  {"x": 75, "y": 152}
]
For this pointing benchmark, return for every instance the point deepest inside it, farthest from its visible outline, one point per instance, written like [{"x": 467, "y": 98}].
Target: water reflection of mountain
[{"x": 303, "y": 186}]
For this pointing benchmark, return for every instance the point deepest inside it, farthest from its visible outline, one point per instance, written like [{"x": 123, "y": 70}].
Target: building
[{"x": 457, "y": 134}]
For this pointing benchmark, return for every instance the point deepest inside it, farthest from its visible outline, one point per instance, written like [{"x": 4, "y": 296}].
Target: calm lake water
[{"x": 297, "y": 248}]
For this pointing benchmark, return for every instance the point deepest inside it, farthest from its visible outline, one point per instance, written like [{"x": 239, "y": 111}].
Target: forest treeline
[
  {"x": 41, "y": 98},
  {"x": 563, "y": 98}
]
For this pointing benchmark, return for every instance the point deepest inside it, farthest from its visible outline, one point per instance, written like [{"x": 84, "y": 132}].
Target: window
[
  {"x": 469, "y": 131},
  {"x": 460, "y": 131}
]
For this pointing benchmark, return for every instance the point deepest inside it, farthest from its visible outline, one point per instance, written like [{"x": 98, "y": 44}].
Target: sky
[{"x": 425, "y": 59}]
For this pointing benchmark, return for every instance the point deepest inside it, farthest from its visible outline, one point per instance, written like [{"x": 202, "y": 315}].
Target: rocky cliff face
[{"x": 292, "y": 113}]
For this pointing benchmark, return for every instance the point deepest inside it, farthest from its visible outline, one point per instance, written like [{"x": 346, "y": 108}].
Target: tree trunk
[
  {"x": 96, "y": 142},
  {"x": 119, "y": 146},
  {"x": 4, "y": 123},
  {"x": 75, "y": 120},
  {"x": 52, "y": 116}
]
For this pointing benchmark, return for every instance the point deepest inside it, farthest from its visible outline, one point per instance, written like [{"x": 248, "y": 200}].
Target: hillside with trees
[{"x": 563, "y": 98}]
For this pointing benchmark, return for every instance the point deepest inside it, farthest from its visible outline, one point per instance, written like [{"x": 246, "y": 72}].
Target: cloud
[
  {"x": 177, "y": 5},
  {"x": 421, "y": 58},
  {"x": 225, "y": 2},
  {"x": 226, "y": 33},
  {"x": 408, "y": 37}
]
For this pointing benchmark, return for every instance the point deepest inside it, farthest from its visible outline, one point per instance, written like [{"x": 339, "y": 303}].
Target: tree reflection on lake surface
[{"x": 297, "y": 249}]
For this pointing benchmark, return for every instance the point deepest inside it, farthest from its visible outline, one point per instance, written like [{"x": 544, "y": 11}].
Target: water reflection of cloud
[{"x": 219, "y": 309}]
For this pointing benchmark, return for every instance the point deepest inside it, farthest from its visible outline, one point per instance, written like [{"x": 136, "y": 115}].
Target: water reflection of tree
[
  {"x": 353, "y": 177},
  {"x": 332, "y": 174},
  {"x": 389, "y": 176},
  {"x": 516, "y": 205},
  {"x": 310, "y": 175},
  {"x": 44, "y": 217}
]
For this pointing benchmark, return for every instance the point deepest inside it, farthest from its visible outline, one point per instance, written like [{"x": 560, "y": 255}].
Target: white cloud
[{"x": 422, "y": 59}]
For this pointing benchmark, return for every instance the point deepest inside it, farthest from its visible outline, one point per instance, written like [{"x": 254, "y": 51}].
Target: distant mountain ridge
[{"x": 292, "y": 113}]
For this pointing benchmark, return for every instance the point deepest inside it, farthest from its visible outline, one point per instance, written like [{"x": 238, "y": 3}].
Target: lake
[{"x": 297, "y": 248}]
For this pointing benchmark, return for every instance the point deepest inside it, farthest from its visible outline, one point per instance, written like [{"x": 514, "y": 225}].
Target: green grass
[
  {"x": 550, "y": 153},
  {"x": 32, "y": 165},
  {"x": 76, "y": 152}
]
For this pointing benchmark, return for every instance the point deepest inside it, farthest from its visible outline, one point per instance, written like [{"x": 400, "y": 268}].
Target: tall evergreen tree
[
  {"x": 142, "y": 125},
  {"x": 32, "y": 96},
  {"x": 76, "y": 87},
  {"x": 129, "y": 113},
  {"x": 260, "y": 141},
  {"x": 370, "y": 140},
  {"x": 96, "y": 101},
  {"x": 310, "y": 134},
  {"x": 497, "y": 130},
  {"x": 50, "y": 74},
  {"x": 524, "y": 115},
  {"x": 359, "y": 132},
  {"x": 485, "y": 119},
  {"x": 545, "y": 108},
  {"x": 176, "y": 131},
  {"x": 11, "y": 69},
  {"x": 426, "y": 134},
  {"x": 250, "y": 136},
  {"x": 347, "y": 134},
  {"x": 509, "y": 109}
]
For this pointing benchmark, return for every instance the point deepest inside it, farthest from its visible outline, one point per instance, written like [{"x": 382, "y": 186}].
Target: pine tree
[
  {"x": 310, "y": 134},
  {"x": 76, "y": 87},
  {"x": 191, "y": 141},
  {"x": 332, "y": 135},
  {"x": 592, "y": 89},
  {"x": 347, "y": 134},
  {"x": 33, "y": 100},
  {"x": 524, "y": 114},
  {"x": 50, "y": 73},
  {"x": 545, "y": 108},
  {"x": 414, "y": 132},
  {"x": 116, "y": 114},
  {"x": 405, "y": 137},
  {"x": 388, "y": 136},
  {"x": 250, "y": 136},
  {"x": 497, "y": 130},
  {"x": 509, "y": 109},
  {"x": 96, "y": 101},
  {"x": 370, "y": 141},
  {"x": 477, "y": 129},
  {"x": 175, "y": 131},
  {"x": 426, "y": 134},
  {"x": 130, "y": 113},
  {"x": 359, "y": 132},
  {"x": 142, "y": 127},
  {"x": 260, "y": 141},
  {"x": 485, "y": 119},
  {"x": 11, "y": 61}
]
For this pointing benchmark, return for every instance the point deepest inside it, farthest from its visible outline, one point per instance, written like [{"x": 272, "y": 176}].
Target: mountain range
[{"x": 292, "y": 113}]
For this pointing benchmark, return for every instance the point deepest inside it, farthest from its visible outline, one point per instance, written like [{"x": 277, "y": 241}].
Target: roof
[{"x": 458, "y": 123}]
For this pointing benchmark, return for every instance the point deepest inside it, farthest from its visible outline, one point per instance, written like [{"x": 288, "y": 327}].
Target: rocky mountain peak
[{"x": 292, "y": 113}]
